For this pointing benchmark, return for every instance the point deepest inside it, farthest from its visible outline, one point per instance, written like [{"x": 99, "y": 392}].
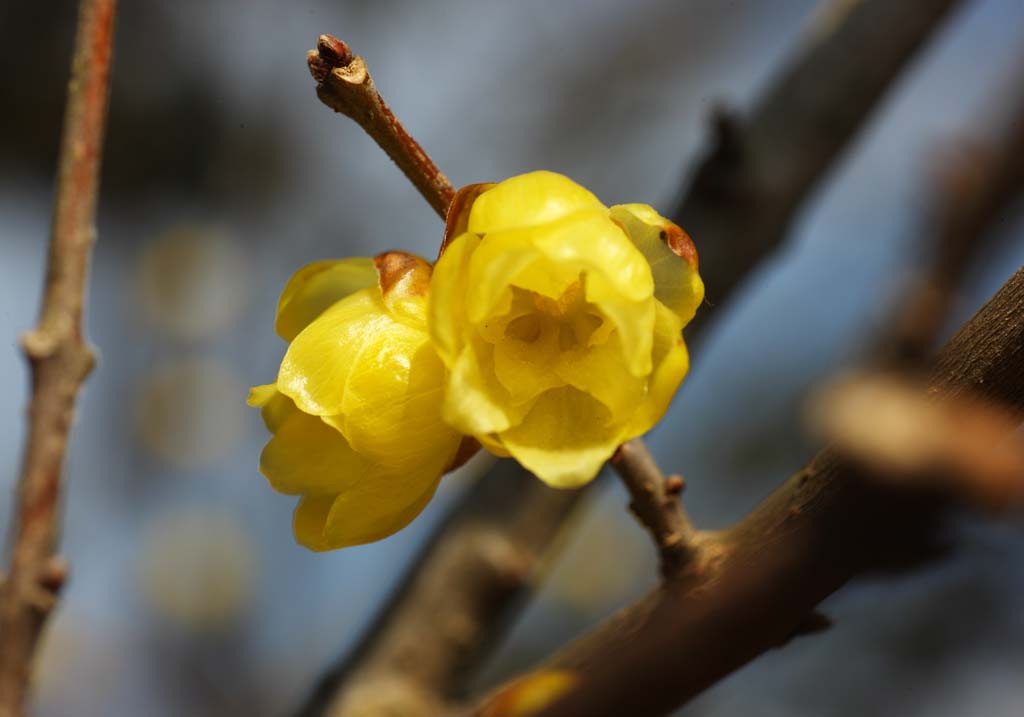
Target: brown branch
[
  {"x": 481, "y": 562},
  {"x": 514, "y": 504},
  {"x": 344, "y": 84},
  {"x": 746, "y": 192},
  {"x": 59, "y": 358},
  {"x": 655, "y": 503},
  {"x": 826, "y": 525}
]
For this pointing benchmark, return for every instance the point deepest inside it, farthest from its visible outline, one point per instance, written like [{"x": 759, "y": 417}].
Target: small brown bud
[
  {"x": 333, "y": 50},
  {"x": 674, "y": 484}
]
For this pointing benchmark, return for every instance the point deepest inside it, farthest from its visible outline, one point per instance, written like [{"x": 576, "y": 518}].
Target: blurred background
[{"x": 224, "y": 174}]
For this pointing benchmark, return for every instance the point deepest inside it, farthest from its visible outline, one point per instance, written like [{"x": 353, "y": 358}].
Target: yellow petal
[
  {"x": 527, "y": 369},
  {"x": 319, "y": 361},
  {"x": 493, "y": 444},
  {"x": 633, "y": 320},
  {"x": 261, "y": 395},
  {"x": 527, "y": 200},
  {"x": 601, "y": 371},
  {"x": 306, "y": 455},
  {"x": 274, "y": 407},
  {"x": 309, "y": 520},
  {"x": 671, "y": 362},
  {"x": 376, "y": 509},
  {"x": 475, "y": 402},
  {"x": 447, "y": 302},
  {"x": 317, "y": 286},
  {"x": 497, "y": 262},
  {"x": 548, "y": 259},
  {"x": 670, "y": 253},
  {"x": 392, "y": 406},
  {"x": 565, "y": 439}
]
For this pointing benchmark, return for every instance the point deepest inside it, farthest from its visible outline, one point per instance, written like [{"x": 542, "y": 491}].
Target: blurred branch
[
  {"x": 961, "y": 446},
  {"x": 344, "y": 84},
  {"x": 516, "y": 505},
  {"x": 655, "y": 502},
  {"x": 745, "y": 193},
  {"x": 59, "y": 358},
  {"x": 972, "y": 188},
  {"x": 834, "y": 520},
  {"x": 824, "y": 526},
  {"x": 457, "y": 596}
]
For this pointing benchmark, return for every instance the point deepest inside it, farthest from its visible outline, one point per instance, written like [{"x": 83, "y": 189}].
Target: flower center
[{"x": 570, "y": 320}]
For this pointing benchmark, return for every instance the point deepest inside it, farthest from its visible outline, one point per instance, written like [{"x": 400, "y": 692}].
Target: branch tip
[{"x": 345, "y": 85}]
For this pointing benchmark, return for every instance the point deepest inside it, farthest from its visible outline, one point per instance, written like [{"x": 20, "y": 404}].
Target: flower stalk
[{"x": 345, "y": 85}]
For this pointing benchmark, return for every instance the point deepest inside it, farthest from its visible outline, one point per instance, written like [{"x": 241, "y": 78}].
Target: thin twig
[
  {"x": 344, "y": 84},
  {"x": 59, "y": 358},
  {"x": 530, "y": 515},
  {"x": 655, "y": 502},
  {"x": 481, "y": 564}
]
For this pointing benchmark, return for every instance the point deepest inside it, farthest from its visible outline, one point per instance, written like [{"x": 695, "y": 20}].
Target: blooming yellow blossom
[
  {"x": 559, "y": 321},
  {"x": 355, "y": 411}
]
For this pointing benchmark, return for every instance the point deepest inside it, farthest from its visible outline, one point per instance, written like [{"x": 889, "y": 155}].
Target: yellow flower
[
  {"x": 560, "y": 321},
  {"x": 355, "y": 412}
]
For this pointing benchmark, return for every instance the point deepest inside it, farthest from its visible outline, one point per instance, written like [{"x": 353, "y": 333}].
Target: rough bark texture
[{"x": 60, "y": 361}]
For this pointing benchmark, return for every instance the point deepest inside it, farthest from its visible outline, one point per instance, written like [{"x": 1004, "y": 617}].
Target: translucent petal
[
  {"x": 634, "y": 321},
  {"x": 374, "y": 510},
  {"x": 671, "y": 362},
  {"x": 319, "y": 361},
  {"x": 548, "y": 259},
  {"x": 527, "y": 369},
  {"x": 499, "y": 259},
  {"x": 565, "y": 438},
  {"x": 392, "y": 405},
  {"x": 317, "y": 286},
  {"x": 527, "y": 200},
  {"x": 601, "y": 372},
  {"x": 306, "y": 455},
  {"x": 447, "y": 302},
  {"x": 475, "y": 402},
  {"x": 586, "y": 241},
  {"x": 676, "y": 281}
]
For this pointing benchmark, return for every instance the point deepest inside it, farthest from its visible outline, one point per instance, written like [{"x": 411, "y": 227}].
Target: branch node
[
  {"x": 654, "y": 500},
  {"x": 675, "y": 484},
  {"x": 38, "y": 345}
]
